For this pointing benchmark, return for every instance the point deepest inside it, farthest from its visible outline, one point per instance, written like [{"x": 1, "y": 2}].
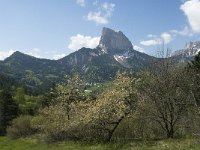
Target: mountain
[
  {"x": 191, "y": 49},
  {"x": 186, "y": 54},
  {"x": 114, "y": 52}
]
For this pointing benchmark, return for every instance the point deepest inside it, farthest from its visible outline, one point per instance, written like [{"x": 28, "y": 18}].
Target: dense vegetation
[{"x": 145, "y": 106}]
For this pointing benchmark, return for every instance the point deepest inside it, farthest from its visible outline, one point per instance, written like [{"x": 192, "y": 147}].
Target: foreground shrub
[
  {"x": 54, "y": 124},
  {"x": 21, "y": 127}
]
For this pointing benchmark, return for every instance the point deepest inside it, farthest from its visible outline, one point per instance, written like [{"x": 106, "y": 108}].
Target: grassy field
[{"x": 27, "y": 144}]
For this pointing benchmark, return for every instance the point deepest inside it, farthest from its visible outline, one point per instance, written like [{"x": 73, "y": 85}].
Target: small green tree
[
  {"x": 20, "y": 95},
  {"x": 60, "y": 117},
  {"x": 28, "y": 105}
]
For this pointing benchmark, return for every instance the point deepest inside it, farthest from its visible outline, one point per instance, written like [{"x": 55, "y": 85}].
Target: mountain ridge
[
  {"x": 114, "y": 52},
  {"x": 191, "y": 49}
]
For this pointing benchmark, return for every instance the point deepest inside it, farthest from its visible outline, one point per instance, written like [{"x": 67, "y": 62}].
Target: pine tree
[{"x": 8, "y": 110}]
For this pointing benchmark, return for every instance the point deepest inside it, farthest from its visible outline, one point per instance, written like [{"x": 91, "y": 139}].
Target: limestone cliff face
[{"x": 112, "y": 41}]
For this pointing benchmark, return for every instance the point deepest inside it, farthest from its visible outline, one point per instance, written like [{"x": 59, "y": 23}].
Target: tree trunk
[
  {"x": 111, "y": 132},
  {"x": 170, "y": 134}
]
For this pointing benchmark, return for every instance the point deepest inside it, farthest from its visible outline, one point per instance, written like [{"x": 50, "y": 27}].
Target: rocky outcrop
[{"x": 112, "y": 41}]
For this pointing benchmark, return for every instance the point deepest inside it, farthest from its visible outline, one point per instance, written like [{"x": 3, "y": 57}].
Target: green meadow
[{"x": 30, "y": 144}]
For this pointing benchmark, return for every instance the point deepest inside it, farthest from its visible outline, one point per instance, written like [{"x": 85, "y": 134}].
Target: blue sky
[{"x": 54, "y": 28}]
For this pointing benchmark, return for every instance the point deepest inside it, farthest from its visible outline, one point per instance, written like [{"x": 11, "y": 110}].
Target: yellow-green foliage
[
  {"x": 58, "y": 120},
  {"x": 73, "y": 116},
  {"x": 146, "y": 107}
]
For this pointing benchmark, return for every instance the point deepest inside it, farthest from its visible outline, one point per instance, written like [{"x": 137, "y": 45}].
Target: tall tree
[
  {"x": 71, "y": 91},
  {"x": 8, "y": 110},
  {"x": 59, "y": 117},
  {"x": 112, "y": 106},
  {"x": 167, "y": 99}
]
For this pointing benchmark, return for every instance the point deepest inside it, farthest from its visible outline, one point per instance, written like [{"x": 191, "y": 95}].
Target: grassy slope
[{"x": 25, "y": 144}]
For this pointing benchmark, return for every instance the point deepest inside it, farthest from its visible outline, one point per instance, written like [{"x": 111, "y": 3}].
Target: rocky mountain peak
[
  {"x": 114, "y": 41},
  {"x": 193, "y": 45},
  {"x": 191, "y": 49}
]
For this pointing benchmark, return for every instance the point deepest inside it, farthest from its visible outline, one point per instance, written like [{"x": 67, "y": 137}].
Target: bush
[{"x": 21, "y": 127}]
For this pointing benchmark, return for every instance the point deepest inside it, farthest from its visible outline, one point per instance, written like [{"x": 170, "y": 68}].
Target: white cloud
[
  {"x": 46, "y": 54},
  {"x": 80, "y": 41},
  {"x": 138, "y": 48},
  {"x": 103, "y": 14},
  {"x": 166, "y": 37},
  {"x": 35, "y": 52},
  {"x": 109, "y": 8},
  {"x": 81, "y": 2},
  {"x": 153, "y": 42},
  {"x": 5, "y": 54},
  {"x": 97, "y": 17},
  {"x": 186, "y": 31},
  {"x": 58, "y": 56},
  {"x": 191, "y": 8},
  {"x": 151, "y": 36}
]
